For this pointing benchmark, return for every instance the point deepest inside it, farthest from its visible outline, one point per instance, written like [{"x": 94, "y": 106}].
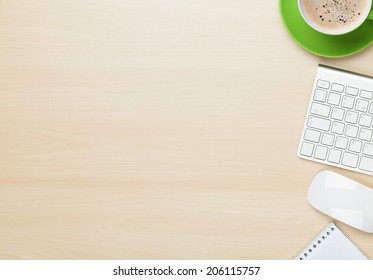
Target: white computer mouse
[{"x": 343, "y": 199}]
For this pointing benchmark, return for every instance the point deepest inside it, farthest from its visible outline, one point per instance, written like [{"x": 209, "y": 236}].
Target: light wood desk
[{"x": 155, "y": 129}]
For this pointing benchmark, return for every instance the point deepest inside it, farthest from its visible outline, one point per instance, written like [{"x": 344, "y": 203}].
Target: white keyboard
[{"x": 338, "y": 128}]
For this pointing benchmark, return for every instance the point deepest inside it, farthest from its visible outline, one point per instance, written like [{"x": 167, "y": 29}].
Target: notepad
[{"x": 331, "y": 244}]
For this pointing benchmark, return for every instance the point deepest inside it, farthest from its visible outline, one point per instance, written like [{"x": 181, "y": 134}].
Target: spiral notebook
[{"x": 331, "y": 244}]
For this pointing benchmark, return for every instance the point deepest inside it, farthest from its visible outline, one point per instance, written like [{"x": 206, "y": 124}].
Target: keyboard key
[
  {"x": 318, "y": 123},
  {"x": 338, "y": 87},
  {"x": 362, "y": 105},
  {"x": 323, "y": 84},
  {"x": 320, "y": 109},
  {"x": 365, "y": 134},
  {"x": 351, "y": 117},
  {"x": 334, "y": 98},
  {"x": 334, "y": 156},
  {"x": 307, "y": 149},
  {"x": 348, "y": 102},
  {"x": 312, "y": 135},
  {"x": 366, "y": 164},
  {"x": 338, "y": 113},
  {"x": 365, "y": 120},
  {"x": 355, "y": 146},
  {"x": 338, "y": 127},
  {"x": 350, "y": 160},
  {"x": 352, "y": 91},
  {"x": 341, "y": 142},
  {"x": 321, "y": 152},
  {"x": 366, "y": 94},
  {"x": 351, "y": 131},
  {"x": 368, "y": 149},
  {"x": 327, "y": 139},
  {"x": 320, "y": 95}
]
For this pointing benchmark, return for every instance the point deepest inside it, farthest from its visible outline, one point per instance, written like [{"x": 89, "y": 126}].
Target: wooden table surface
[{"x": 156, "y": 129}]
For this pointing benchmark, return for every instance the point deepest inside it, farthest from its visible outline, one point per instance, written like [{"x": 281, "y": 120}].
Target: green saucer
[{"x": 320, "y": 44}]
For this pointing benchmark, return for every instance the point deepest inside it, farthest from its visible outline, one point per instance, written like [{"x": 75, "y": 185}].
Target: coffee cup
[{"x": 335, "y": 17}]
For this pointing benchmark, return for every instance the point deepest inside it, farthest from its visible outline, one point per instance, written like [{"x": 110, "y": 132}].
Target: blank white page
[{"x": 331, "y": 244}]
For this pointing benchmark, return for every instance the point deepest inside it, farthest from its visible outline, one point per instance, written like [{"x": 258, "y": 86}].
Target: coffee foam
[{"x": 335, "y": 14}]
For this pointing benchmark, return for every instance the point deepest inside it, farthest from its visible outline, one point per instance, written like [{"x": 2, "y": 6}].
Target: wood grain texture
[{"x": 155, "y": 129}]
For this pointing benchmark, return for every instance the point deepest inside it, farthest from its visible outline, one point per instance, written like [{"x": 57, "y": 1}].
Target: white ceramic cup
[{"x": 366, "y": 13}]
